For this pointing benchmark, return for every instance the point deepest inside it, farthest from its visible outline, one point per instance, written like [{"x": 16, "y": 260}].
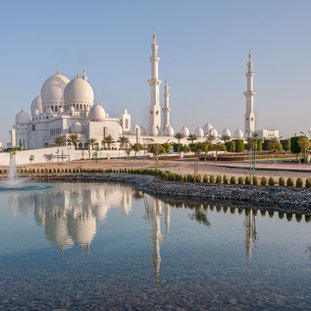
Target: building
[
  {"x": 268, "y": 134},
  {"x": 65, "y": 107}
]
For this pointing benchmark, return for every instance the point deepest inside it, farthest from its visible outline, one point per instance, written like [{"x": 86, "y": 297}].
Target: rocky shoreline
[{"x": 285, "y": 199}]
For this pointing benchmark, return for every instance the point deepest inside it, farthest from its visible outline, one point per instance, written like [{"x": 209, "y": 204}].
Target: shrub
[
  {"x": 218, "y": 179},
  {"x": 247, "y": 180},
  {"x": 211, "y": 179},
  {"x": 271, "y": 181},
  {"x": 263, "y": 181},
  {"x": 232, "y": 180},
  {"x": 290, "y": 182},
  {"x": 255, "y": 180},
  {"x": 198, "y": 178},
  {"x": 281, "y": 181},
  {"x": 205, "y": 179},
  {"x": 241, "y": 180},
  {"x": 225, "y": 179},
  {"x": 308, "y": 183},
  {"x": 299, "y": 182}
]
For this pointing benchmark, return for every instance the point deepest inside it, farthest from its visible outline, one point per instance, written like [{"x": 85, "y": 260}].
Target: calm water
[{"x": 99, "y": 246}]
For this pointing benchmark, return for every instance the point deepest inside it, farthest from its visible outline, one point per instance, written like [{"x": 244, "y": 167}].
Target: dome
[
  {"x": 154, "y": 131},
  {"x": 226, "y": 132},
  {"x": 213, "y": 132},
  {"x": 199, "y": 132},
  {"x": 22, "y": 117},
  {"x": 207, "y": 127},
  {"x": 79, "y": 90},
  {"x": 185, "y": 131},
  {"x": 238, "y": 134},
  {"x": 76, "y": 127},
  {"x": 97, "y": 113},
  {"x": 52, "y": 90},
  {"x": 125, "y": 111},
  {"x": 36, "y": 105},
  {"x": 71, "y": 109},
  {"x": 169, "y": 131}
]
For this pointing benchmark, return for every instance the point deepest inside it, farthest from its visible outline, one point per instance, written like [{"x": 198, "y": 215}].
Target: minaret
[
  {"x": 250, "y": 227},
  {"x": 250, "y": 94},
  {"x": 154, "y": 82},
  {"x": 166, "y": 109},
  {"x": 156, "y": 239}
]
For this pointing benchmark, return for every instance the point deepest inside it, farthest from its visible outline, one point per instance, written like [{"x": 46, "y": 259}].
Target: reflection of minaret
[
  {"x": 167, "y": 219},
  {"x": 156, "y": 238},
  {"x": 250, "y": 227}
]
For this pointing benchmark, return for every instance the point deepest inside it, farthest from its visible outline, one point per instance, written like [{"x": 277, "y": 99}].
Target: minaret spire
[
  {"x": 166, "y": 109},
  {"x": 154, "y": 82},
  {"x": 84, "y": 76},
  {"x": 250, "y": 94}
]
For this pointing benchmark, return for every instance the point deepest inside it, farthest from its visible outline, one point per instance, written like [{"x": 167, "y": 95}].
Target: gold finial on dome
[
  {"x": 250, "y": 55},
  {"x": 78, "y": 74},
  {"x": 84, "y": 77},
  {"x": 57, "y": 71}
]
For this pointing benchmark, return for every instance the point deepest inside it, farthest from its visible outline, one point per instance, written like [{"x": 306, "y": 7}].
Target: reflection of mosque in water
[
  {"x": 69, "y": 214},
  {"x": 250, "y": 238}
]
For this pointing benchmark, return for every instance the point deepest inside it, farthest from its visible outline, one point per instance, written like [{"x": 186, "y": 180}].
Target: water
[{"x": 100, "y": 246}]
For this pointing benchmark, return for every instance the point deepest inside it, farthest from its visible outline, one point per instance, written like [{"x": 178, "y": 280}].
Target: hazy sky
[{"x": 203, "y": 47}]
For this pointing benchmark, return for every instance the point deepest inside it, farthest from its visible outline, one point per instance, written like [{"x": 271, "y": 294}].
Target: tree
[
  {"x": 304, "y": 144},
  {"x": 259, "y": 145},
  {"x": 239, "y": 145},
  {"x": 225, "y": 138},
  {"x": 60, "y": 141},
  {"x": 192, "y": 138},
  {"x": 230, "y": 146},
  {"x": 73, "y": 139},
  {"x": 108, "y": 140},
  {"x": 179, "y": 136},
  {"x": 285, "y": 144},
  {"x": 137, "y": 147},
  {"x": 124, "y": 141},
  {"x": 219, "y": 147},
  {"x": 210, "y": 138},
  {"x": 273, "y": 145},
  {"x": 294, "y": 147},
  {"x": 92, "y": 142},
  {"x": 31, "y": 158}
]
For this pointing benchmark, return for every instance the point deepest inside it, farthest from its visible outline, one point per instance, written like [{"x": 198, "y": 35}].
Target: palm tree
[
  {"x": 179, "y": 136},
  {"x": 60, "y": 140},
  {"x": 123, "y": 140},
  {"x": 192, "y": 138},
  {"x": 92, "y": 142},
  {"x": 73, "y": 139},
  {"x": 108, "y": 140}
]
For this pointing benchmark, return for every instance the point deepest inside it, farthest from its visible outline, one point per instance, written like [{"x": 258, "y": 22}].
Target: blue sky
[{"x": 203, "y": 47}]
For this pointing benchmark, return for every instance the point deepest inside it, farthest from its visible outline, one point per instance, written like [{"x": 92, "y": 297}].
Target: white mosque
[{"x": 66, "y": 107}]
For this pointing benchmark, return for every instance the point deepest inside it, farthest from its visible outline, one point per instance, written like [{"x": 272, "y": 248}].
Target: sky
[{"x": 203, "y": 49}]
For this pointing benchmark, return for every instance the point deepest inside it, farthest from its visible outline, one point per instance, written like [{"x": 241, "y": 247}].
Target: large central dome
[
  {"x": 79, "y": 91},
  {"x": 52, "y": 90}
]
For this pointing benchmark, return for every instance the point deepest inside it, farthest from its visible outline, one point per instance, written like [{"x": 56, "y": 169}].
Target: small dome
[
  {"x": 79, "y": 90},
  {"x": 52, "y": 90},
  {"x": 169, "y": 131},
  {"x": 199, "y": 132},
  {"x": 207, "y": 127},
  {"x": 125, "y": 111},
  {"x": 153, "y": 131},
  {"x": 238, "y": 134},
  {"x": 36, "y": 105},
  {"x": 76, "y": 127},
  {"x": 97, "y": 113},
  {"x": 71, "y": 109},
  {"x": 213, "y": 132},
  {"x": 226, "y": 132},
  {"x": 22, "y": 117},
  {"x": 185, "y": 131}
]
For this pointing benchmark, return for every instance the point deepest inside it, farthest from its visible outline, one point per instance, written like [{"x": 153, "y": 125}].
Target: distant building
[{"x": 268, "y": 134}]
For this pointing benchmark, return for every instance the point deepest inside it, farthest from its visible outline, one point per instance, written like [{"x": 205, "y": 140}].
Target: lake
[{"x": 93, "y": 246}]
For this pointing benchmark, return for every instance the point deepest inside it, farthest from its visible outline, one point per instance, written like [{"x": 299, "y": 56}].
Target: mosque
[{"x": 66, "y": 107}]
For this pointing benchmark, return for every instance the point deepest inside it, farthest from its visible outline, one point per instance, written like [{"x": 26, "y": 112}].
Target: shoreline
[{"x": 279, "y": 199}]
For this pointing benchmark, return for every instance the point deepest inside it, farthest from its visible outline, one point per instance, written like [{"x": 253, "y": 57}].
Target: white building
[
  {"x": 268, "y": 134},
  {"x": 66, "y": 107}
]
